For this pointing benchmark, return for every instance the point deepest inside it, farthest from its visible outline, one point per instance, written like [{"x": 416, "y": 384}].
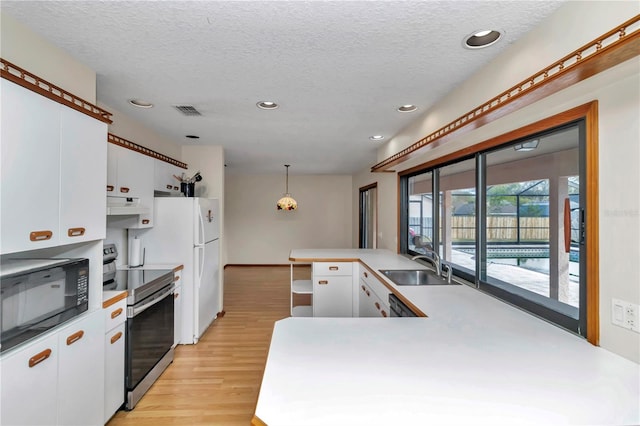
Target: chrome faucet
[{"x": 434, "y": 259}]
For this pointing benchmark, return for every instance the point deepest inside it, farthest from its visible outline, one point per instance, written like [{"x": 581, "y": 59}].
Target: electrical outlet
[{"x": 625, "y": 314}]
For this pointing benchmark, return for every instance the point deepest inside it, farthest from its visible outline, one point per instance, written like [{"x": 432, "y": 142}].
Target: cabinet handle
[
  {"x": 110, "y": 188},
  {"x": 116, "y": 313},
  {"x": 145, "y": 221},
  {"x": 74, "y": 337},
  {"x": 175, "y": 295},
  {"x": 384, "y": 314},
  {"x": 40, "y": 235},
  {"x": 116, "y": 337},
  {"x": 377, "y": 305},
  {"x": 38, "y": 358},
  {"x": 366, "y": 275},
  {"x": 175, "y": 188},
  {"x": 75, "y": 232},
  {"x": 333, "y": 268},
  {"x": 323, "y": 282},
  {"x": 176, "y": 277},
  {"x": 169, "y": 187},
  {"x": 363, "y": 289},
  {"x": 124, "y": 189},
  {"x": 367, "y": 291}
]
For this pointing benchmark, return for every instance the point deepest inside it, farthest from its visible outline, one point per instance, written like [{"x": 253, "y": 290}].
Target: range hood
[{"x": 121, "y": 206}]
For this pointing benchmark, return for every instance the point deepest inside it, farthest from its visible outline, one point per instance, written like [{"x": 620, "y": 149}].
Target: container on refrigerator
[{"x": 187, "y": 231}]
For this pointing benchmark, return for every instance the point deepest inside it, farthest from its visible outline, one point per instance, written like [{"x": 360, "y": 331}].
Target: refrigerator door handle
[
  {"x": 201, "y": 261},
  {"x": 201, "y": 219}
]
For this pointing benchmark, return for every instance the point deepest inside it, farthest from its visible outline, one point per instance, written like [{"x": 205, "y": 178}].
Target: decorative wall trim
[
  {"x": 117, "y": 140},
  {"x": 608, "y": 50},
  {"x": 42, "y": 87}
]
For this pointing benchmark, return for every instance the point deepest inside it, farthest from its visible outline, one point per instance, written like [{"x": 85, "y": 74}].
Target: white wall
[
  {"x": 129, "y": 129},
  {"x": 259, "y": 234},
  {"x": 618, "y": 93},
  {"x": 26, "y": 49}
]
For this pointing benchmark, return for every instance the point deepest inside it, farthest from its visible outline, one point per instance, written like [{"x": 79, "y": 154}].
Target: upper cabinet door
[
  {"x": 112, "y": 169},
  {"x": 30, "y": 169},
  {"x": 134, "y": 174},
  {"x": 83, "y": 163}
]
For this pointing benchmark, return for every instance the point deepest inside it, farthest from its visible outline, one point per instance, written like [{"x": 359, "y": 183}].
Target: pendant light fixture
[{"x": 287, "y": 202}]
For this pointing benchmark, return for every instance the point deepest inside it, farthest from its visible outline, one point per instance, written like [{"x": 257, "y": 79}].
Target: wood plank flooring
[{"x": 216, "y": 382}]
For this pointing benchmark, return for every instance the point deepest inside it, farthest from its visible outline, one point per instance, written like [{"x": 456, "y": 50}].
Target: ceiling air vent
[{"x": 188, "y": 110}]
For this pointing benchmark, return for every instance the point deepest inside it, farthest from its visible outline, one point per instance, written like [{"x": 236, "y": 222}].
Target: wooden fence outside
[{"x": 501, "y": 229}]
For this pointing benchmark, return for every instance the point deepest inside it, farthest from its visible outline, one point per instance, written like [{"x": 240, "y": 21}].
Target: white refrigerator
[{"x": 187, "y": 231}]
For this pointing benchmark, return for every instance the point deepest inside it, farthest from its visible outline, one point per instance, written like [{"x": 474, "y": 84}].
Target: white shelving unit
[{"x": 301, "y": 287}]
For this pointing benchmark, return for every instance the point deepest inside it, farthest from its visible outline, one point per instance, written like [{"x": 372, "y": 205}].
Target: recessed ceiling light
[
  {"x": 192, "y": 137},
  {"x": 407, "y": 108},
  {"x": 376, "y": 137},
  {"x": 480, "y": 39},
  {"x": 267, "y": 105},
  {"x": 140, "y": 104}
]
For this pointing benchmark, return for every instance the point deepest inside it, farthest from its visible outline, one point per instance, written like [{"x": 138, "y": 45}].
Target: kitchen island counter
[{"x": 474, "y": 360}]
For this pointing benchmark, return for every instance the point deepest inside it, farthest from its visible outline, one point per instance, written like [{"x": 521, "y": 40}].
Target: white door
[
  {"x": 83, "y": 153},
  {"x": 208, "y": 285},
  {"x": 207, "y": 221},
  {"x": 31, "y": 374},
  {"x": 30, "y": 168}
]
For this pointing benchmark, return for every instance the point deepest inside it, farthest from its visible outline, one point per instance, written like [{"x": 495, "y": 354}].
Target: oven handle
[{"x": 133, "y": 311}]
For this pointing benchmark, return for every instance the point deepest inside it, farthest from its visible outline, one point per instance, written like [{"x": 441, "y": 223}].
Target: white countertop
[{"x": 474, "y": 360}]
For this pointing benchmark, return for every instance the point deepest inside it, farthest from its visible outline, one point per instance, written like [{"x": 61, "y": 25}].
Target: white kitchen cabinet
[
  {"x": 131, "y": 175},
  {"x": 53, "y": 161},
  {"x": 377, "y": 287},
  {"x": 177, "y": 307},
  {"x": 29, "y": 383},
  {"x": 114, "y": 371},
  {"x": 115, "y": 317},
  {"x": 58, "y": 378},
  {"x": 83, "y": 156},
  {"x": 30, "y": 169},
  {"x": 80, "y": 371},
  {"x": 164, "y": 180},
  {"x": 332, "y": 289},
  {"x": 370, "y": 305}
]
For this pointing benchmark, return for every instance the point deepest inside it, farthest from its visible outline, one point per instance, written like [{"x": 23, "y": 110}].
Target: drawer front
[
  {"x": 374, "y": 283},
  {"x": 332, "y": 268},
  {"x": 115, "y": 314}
]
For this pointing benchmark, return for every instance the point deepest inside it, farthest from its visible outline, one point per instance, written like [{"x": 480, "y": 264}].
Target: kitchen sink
[{"x": 415, "y": 277}]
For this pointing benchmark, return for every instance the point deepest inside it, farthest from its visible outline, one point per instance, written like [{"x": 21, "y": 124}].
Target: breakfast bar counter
[{"x": 473, "y": 360}]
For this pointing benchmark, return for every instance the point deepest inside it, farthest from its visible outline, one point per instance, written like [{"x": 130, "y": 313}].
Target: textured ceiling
[{"x": 338, "y": 69}]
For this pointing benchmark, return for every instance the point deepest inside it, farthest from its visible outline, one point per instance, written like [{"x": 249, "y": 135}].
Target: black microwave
[{"x": 38, "y": 295}]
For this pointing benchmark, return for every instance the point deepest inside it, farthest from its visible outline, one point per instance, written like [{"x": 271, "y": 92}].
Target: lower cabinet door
[
  {"x": 113, "y": 371},
  {"x": 81, "y": 371},
  {"x": 332, "y": 296},
  {"x": 29, "y": 381}
]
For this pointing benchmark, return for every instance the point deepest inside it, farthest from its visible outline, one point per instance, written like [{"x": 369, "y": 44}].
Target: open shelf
[
  {"x": 302, "y": 311},
  {"x": 302, "y": 287},
  {"x": 301, "y": 291}
]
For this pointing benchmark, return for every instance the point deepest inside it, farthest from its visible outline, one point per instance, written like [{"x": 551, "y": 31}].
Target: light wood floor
[{"x": 216, "y": 382}]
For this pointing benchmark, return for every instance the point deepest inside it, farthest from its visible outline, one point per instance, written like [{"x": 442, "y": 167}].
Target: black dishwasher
[{"x": 399, "y": 309}]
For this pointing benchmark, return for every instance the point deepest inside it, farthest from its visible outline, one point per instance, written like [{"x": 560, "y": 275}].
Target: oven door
[{"x": 149, "y": 334}]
